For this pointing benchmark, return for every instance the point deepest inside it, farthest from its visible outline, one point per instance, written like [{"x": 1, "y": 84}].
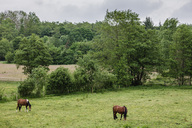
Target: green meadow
[{"x": 148, "y": 107}]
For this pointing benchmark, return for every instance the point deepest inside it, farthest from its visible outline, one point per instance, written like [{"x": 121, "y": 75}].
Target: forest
[{"x": 119, "y": 51}]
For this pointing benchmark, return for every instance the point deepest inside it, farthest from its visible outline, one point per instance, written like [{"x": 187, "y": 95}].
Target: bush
[
  {"x": 100, "y": 79},
  {"x": 39, "y": 77},
  {"x": 81, "y": 79},
  {"x": 105, "y": 80},
  {"x": 33, "y": 85},
  {"x": 26, "y": 88},
  {"x": 60, "y": 82}
]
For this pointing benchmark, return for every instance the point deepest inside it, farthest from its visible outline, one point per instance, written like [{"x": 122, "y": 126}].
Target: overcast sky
[{"x": 94, "y": 10}]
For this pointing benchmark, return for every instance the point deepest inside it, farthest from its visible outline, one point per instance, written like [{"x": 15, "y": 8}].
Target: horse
[
  {"x": 120, "y": 110},
  {"x": 23, "y": 102}
]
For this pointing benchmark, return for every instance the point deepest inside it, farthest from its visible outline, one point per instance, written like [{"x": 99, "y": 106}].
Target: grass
[
  {"x": 8, "y": 90},
  {"x": 153, "y": 107}
]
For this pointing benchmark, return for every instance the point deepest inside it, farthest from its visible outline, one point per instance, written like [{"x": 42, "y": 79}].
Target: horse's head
[{"x": 29, "y": 107}]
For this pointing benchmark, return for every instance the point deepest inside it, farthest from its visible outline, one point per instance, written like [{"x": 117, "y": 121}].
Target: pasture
[
  {"x": 153, "y": 107},
  {"x": 9, "y": 72}
]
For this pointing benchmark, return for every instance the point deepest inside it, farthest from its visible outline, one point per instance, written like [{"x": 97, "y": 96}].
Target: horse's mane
[{"x": 125, "y": 113}]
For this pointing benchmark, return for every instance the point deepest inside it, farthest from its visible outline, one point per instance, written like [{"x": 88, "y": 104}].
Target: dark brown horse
[
  {"x": 23, "y": 102},
  {"x": 120, "y": 110}
]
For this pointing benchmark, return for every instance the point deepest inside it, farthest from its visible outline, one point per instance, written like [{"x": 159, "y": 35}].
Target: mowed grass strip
[{"x": 147, "y": 107}]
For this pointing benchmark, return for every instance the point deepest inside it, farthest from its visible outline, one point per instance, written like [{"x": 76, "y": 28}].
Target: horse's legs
[
  {"x": 114, "y": 115},
  {"x": 121, "y": 116},
  {"x": 20, "y": 108}
]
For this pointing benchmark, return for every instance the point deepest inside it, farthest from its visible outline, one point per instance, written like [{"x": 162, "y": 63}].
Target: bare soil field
[{"x": 9, "y": 72}]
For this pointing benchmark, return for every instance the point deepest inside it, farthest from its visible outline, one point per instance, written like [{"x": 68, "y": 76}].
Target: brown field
[{"x": 9, "y": 72}]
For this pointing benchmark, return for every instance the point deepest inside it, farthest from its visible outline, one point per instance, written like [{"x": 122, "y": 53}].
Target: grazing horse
[
  {"x": 23, "y": 102},
  {"x": 120, "y": 110}
]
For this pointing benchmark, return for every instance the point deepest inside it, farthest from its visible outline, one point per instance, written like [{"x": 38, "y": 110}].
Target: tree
[
  {"x": 76, "y": 51},
  {"x": 80, "y": 34},
  {"x": 126, "y": 47},
  {"x": 9, "y": 57},
  {"x": 22, "y": 22},
  {"x": 5, "y": 47},
  {"x": 165, "y": 35},
  {"x": 181, "y": 54},
  {"x": 86, "y": 73},
  {"x": 148, "y": 23},
  {"x": 32, "y": 52},
  {"x": 7, "y": 29}
]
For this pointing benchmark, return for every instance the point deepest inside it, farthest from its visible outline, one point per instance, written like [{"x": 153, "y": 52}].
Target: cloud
[
  {"x": 184, "y": 13},
  {"x": 141, "y": 7},
  {"x": 95, "y": 10},
  {"x": 91, "y": 11}
]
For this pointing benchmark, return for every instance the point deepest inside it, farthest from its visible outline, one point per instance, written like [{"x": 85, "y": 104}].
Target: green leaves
[
  {"x": 60, "y": 82},
  {"x": 127, "y": 48},
  {"x": 181, "y": 54},
  {"x": 32, "y": 53}
]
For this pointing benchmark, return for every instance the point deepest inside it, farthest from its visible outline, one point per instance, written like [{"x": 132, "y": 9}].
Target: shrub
[
  {"x": 81, "y": 79},
  {"x": 39, "y": 77},
  {"x": 60, "y": 82},
  {"x": 26, "y": 88},
  {"x": 33, "y": 85},
  {"x": 105, "y": 80},
  {"x": 99, "y": 79}
]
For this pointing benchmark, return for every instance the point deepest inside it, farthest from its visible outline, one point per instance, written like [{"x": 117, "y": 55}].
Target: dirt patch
[{"x": 9, "y": 72}]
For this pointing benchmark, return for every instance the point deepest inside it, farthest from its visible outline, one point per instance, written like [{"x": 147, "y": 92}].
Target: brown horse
[
  {"x": 120, "y": 110},
  {"x": 23, "y": 102}
]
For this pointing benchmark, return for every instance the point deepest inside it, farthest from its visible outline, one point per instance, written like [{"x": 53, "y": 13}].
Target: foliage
[
  {"x": 59, "y": 82},
  {"x": 181, "y": 54},
  {"x": 7, "y": 29},
  {"x": 148, "y": 23},
  {"x": 9, "y": 57},
  {"x": 123, "y": 45},
  {"x": 5, "y": 47},
  {"x": 26, "y": 88},
  {"x": 86, "y": 73},
  {"x": 165, "y": 36},
  {"x": 75, "y": 52},
  {"x": 32, "y": 52},
  {"x": 90, "y": 77},
  {"x": 34, "y": 84},
  {"x": 105, "y": 80},
  {"x": 126, "y": 47}
]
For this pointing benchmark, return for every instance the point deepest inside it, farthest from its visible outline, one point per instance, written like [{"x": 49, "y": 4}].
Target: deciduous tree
[{"x": 32, "y": 52}]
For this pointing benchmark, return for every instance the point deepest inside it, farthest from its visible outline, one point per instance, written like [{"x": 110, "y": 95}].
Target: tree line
[
  {"x": 120, "y": 50},
  {"x": 60, "y": 38}
]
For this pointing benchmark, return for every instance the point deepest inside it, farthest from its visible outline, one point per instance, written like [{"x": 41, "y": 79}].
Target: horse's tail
[{"x": 125, "y": 113}]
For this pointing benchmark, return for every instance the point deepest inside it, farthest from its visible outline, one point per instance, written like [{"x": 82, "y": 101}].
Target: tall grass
[
  {"x": 8, "y": 90},
  {"x": 154, "y": 107}
]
